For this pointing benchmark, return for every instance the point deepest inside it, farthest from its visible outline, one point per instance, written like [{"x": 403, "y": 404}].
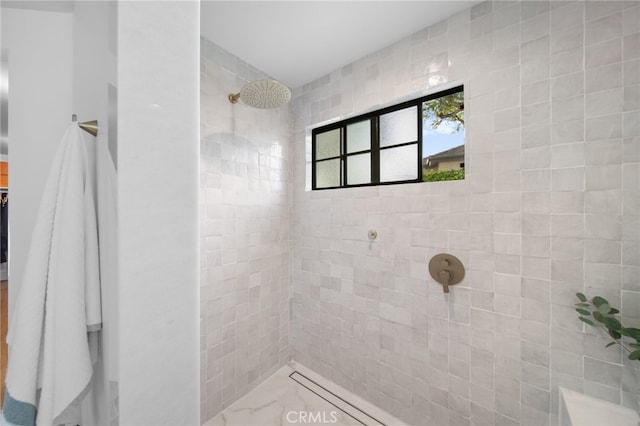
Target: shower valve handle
[
  {"x": 446, "y": 269},
  {"x": 445, "y": 276}
]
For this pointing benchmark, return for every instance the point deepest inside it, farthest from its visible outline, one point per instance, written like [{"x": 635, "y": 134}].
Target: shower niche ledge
[{"x": 577, "y": 409}]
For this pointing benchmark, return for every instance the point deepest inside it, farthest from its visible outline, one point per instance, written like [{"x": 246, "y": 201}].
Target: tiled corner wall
[
  {"x": 550, "y": 206},
  {"x": 245, "y": 202}
]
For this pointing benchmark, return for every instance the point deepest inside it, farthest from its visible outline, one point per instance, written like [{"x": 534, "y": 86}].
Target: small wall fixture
[
  {"x": 446, "y": 269},
  {"x": 90, "y": 127}
]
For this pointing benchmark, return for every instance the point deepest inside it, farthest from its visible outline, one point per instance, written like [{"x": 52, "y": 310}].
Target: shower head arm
[{"x": 234, "y": 98}]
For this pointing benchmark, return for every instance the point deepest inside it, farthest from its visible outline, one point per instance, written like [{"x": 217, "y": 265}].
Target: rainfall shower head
[{"x": 263, "y": 94}]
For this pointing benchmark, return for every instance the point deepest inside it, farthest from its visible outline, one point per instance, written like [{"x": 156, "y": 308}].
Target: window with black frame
[{"x": 416, "y": 141}]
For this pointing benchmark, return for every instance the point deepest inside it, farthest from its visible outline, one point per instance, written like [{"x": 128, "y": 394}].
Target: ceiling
[
  {"x": 297, "y": 42},
  {"x": 42, "y": 5}
]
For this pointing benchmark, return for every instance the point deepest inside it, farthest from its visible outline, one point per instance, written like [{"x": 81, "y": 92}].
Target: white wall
[
  {"x": 550, "y": 206},
  {"x": 158, "y": 145},
  {"x": 60, "y": 64},
  {"x": 94, "y": 69},
  {"x": 158, "y": 154},
  {"x": 40, "y": 106}
]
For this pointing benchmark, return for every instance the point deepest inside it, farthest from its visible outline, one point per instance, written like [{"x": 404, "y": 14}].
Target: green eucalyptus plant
[{"x": 598, "y": 313}]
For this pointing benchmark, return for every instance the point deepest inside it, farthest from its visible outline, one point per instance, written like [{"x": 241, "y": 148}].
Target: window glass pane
[
  {"x": 358, "y": 169},
  {"x": 443, "y": 138},
  {"x": 328, "y": 173},
  {"x": 328, "y": 144},
  {"x": 399, "y": 127},
  {"x": 359, "y": 136},
  {"x": 399, "y": 163},
  {"x": 423, "y": 141}
]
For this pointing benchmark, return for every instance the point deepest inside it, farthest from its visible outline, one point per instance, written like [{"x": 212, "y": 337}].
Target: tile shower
[
  {"x": 550, "y": 206},
  {"x": 245, "y": 194}
]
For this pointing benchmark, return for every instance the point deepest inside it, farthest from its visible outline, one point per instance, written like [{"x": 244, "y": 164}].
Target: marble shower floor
[{"x": 295, "y": 395}]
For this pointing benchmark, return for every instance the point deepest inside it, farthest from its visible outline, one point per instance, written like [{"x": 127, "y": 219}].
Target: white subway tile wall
[
  {"x": 550, "y": 206},
  {"x": 245, "y": 204}
]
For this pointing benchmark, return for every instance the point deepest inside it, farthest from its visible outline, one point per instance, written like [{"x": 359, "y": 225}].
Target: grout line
[{"x": 377, "y": 422}]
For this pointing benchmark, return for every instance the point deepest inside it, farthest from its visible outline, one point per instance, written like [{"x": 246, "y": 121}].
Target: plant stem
[{"x": 620, "y": 344}]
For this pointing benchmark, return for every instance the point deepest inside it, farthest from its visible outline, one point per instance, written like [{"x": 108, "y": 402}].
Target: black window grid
[{"x": 375, "y": 147}]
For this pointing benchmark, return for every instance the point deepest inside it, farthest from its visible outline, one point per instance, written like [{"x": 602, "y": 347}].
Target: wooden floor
[{"x": 4, "y": 313}]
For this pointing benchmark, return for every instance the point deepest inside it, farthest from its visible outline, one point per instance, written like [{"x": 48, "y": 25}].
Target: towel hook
[{"x": 90, "y": 127}]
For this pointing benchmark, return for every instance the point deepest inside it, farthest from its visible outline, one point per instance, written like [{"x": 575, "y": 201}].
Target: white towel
[{"x": 50, "y": 367}]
